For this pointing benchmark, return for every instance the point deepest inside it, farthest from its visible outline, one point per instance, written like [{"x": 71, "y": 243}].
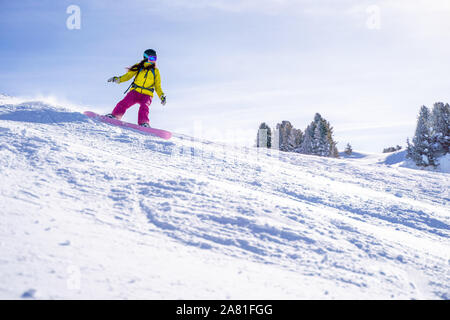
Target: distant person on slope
[{"x": 146, "y": 81}]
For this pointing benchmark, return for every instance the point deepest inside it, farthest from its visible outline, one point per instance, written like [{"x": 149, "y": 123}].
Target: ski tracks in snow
[{"x": 367, "y": 228}]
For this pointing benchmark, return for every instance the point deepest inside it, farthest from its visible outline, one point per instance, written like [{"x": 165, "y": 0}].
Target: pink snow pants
[{"x": 130, "y": 99}]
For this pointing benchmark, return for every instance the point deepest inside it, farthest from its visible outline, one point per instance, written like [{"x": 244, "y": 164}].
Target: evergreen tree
[
  {"x": 297, "y": 137},
  {"x": 440, "y": 128},
  {"x": 332, "y": 144},
  {"x": 307, "y": 145},
  {"x": 318, "y": 139},
  {"x": 321, "y": 143},
  {"x": 409, "y": 149},
  {"x": 290, "y": 138},
  {"x": 348, "y": 150},
  {"x": 264, "y": 136},
  {"x": 317, "y": 142},
  {"x": 421, "y": 151},
  {"x": 284, "y": 130},
  {"x": 294, "y": 139}
]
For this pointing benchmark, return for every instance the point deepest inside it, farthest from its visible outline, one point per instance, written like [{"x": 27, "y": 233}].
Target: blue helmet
[{"x": 149, "y": 53}]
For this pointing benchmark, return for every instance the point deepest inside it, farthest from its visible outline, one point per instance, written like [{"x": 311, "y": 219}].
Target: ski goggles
[{"x": 151, "y": 58}]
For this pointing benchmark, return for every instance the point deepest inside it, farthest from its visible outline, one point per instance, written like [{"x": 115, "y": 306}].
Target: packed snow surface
[{"x": 89, "y": 210}]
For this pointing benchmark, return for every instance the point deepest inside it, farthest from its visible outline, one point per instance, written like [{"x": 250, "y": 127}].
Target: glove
[
  {"x": 114, "y": 79},
  {"x": 163, "y": 100}
]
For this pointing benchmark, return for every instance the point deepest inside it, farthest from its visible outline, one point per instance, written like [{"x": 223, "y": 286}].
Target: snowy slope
[
  {"x": 93, "y": 211},
  {"x": 397, "y": 159}
]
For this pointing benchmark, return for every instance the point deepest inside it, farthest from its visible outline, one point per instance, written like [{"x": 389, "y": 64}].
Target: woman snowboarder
[{"x": 147, "y": 79}]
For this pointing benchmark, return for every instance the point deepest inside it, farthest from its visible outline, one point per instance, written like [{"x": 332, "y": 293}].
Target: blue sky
[{"x": 228, "y": 65}]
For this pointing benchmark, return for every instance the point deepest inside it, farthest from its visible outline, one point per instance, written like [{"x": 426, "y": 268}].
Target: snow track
[{"x": 94, "y": 211}]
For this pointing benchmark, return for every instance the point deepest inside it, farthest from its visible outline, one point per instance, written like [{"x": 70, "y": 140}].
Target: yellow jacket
[{"x": 144, "y": 79}]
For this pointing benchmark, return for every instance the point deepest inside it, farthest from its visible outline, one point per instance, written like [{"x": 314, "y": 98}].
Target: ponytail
[{"x": 140, "y": 65}]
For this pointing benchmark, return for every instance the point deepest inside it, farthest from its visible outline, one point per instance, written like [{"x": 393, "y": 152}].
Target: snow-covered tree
[
  {"x": 333, "y": 144},
  {"x": 264, "y": 136},
  {"x": 348, "y": 149},
  {"x": 307, "y": 145},
  {"x": 318, "y": 139},
  {"x": 409, "y": 149},
  {"x": 440, "y": 128},
  {"x": 295, "y": 138},
  {"x": 321, "y": 142},
  {"x": 421, "y": 150},
  {"x": 290, "y": 138}
]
